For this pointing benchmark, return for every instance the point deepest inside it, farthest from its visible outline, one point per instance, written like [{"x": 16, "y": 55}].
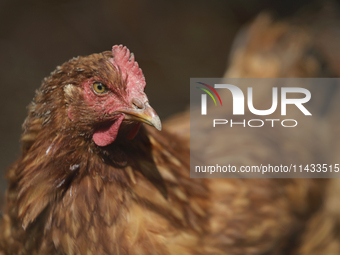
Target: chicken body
[{"x": 130, "y": 192}]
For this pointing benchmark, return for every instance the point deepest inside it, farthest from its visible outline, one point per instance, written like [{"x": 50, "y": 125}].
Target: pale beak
[{"x": 146, "y": 114}]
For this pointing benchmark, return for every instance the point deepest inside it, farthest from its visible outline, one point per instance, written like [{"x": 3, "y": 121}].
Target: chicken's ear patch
[
  {"x": 70, "y": 91},
  {"x": 124, "y": 61}
]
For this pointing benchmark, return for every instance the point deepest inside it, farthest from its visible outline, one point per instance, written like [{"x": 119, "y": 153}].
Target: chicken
[
  {"x": 285, "y": 48},
  {"x": 93, "y": 180},
  {"x": 82, "y": 187}
]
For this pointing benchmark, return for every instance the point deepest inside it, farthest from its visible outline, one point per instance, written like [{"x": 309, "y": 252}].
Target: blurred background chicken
[
  {"x": 192, "y": 216},
  {"x": 296, "y": 47}
]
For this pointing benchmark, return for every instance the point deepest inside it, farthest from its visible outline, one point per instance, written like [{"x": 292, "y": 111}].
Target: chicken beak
[{"x": 146, "y": 114}]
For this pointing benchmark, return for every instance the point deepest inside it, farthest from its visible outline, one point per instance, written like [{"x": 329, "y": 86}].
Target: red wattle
[{"x": 106, "y": 135}]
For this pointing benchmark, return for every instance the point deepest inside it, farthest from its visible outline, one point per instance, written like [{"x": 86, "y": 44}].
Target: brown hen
[{"x": 92, "y": 180}]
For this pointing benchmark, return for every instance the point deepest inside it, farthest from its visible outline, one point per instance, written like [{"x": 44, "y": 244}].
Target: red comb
[{"x": 123, "y": 59}]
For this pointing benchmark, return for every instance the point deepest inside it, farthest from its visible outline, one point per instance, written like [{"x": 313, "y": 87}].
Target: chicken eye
[{"x": 99, "y": 88}]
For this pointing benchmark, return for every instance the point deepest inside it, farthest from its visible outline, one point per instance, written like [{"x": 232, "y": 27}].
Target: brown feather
[{"x": 67, "y": 195}]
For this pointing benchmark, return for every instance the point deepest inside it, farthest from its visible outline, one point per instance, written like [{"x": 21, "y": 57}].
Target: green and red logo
[{"x": 204, "y": 96}]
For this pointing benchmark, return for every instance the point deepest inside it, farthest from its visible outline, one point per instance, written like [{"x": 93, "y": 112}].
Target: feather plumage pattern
[{"x": 68, "y": 194}]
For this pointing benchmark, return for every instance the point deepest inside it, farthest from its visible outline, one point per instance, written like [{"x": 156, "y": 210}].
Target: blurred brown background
[{"x": 172, "y": 41}]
